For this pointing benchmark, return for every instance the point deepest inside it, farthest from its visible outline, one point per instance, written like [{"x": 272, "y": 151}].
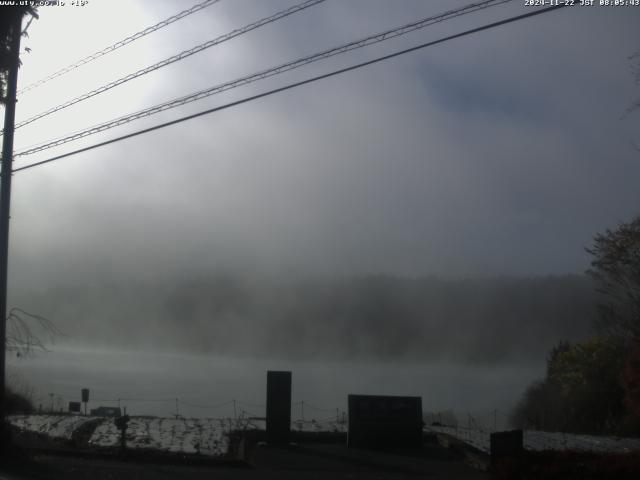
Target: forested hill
[{"x": 365, "y": 317}]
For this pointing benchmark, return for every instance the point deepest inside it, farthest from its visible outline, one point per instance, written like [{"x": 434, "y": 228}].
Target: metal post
[{"x": 5, "y": 193}]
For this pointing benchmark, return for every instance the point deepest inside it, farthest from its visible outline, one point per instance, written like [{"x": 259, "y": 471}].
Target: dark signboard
[
  {"x": 385, "y": 422},
  {"x": 506, "y": 444},
  {"x": 278, "y": 407},
  {"x": 74, "y": 407},
  {"x": 106, "y": 412},
  {"x": 85, "y": 395}
]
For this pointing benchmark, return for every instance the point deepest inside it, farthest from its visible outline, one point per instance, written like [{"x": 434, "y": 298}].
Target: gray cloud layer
[{"x": 501, "y": 153}]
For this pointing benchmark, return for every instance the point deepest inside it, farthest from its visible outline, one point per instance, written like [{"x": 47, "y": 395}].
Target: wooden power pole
[{"x": 5, "y": 192}]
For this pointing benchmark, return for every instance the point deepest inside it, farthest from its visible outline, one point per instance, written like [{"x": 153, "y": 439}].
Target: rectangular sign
[
  {"x": 74, "y": 407},
  {"x": 385, "y": 422},
  {"x": 278, "y": 407}
]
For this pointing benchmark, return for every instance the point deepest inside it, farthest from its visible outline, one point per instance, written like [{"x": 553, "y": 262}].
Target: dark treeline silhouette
[
  {"x": 18, "y": 402},
  {"x": 365, "y": 317},
  {"x": 593, "y": 385},
  {"x": 581, "y": 392}
]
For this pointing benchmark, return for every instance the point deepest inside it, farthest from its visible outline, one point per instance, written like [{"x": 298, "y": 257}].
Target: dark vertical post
[
  {"x": 85, "y": 398},
  {"x": 278, "y": 407},
  {"x": 5, "y": 192}
]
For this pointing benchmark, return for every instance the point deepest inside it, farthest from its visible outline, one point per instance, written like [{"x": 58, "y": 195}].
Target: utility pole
[{"x": 5, "y": 192}]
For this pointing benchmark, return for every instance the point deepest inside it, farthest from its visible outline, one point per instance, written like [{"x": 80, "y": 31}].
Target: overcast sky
[{"x": 500, "y": 153}]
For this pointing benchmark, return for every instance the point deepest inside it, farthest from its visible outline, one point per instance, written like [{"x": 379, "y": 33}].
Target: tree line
[{"x": 593, "y": 385}]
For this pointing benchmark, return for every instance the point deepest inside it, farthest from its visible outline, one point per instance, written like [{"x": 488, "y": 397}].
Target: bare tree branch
[{"x": 27, "y": 332}]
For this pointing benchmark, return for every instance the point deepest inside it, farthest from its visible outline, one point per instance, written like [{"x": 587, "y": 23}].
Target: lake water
[{"x": 208, "y": 386}]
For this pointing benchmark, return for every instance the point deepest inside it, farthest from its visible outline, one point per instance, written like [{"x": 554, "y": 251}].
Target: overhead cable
[
  {"x": 296, "y": 84},
  {"x": 119, "y": 44},
  {"x": 261, "y": 75},
  {"x": 208, "y": 407},
  {"x": 175, "y": 58}
]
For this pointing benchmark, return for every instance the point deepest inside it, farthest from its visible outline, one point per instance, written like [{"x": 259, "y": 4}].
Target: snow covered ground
[
  {"x": 208, "y": 436},
  {"x": 181, "y": 435},
  {"x": 538, "y": 441},
  {"x": 54, "y": 426},
  {"x": 313, "y": 426},
  {"x": 205, "y": 436},
  {"x": 318, "y": 426}
]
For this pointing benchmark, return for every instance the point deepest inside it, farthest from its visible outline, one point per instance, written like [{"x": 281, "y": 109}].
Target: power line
[
  {"x": 252, "y": 415},
  {"x": 165, "y": 400},
  {"x": 320, "y": 409},
  {"x": 370, "y": 40},
  {"x": 175, "y": 58},
  {"x": 121, "y": 43},
  {"x": 257, "y": 405},
  {"x": 297, "y": 84},
  {"x": 208, "y": 407}
]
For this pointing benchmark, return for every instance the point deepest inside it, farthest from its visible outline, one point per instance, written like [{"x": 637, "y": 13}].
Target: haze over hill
[{"x": 368, "y": 317}]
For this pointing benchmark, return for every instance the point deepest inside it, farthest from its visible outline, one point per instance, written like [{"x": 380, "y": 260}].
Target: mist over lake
[
  {"x": 153, "y": 381},
  {"x": 239, "y": 313},
  {"x": 468, "y": 346}
]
